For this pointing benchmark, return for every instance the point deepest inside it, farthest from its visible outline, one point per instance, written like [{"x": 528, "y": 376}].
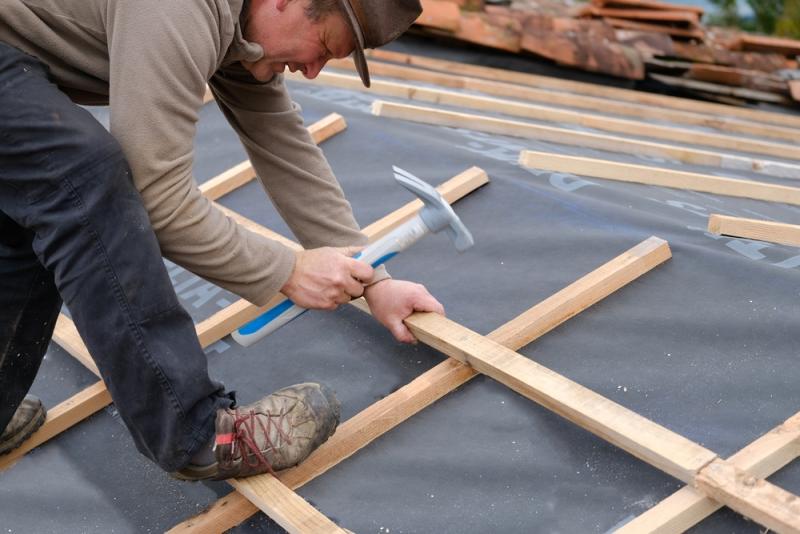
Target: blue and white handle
[{"x": 375, "y": 254}]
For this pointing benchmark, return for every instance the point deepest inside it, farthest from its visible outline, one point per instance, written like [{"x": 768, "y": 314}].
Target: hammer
[{"x": 436, "y": 215}]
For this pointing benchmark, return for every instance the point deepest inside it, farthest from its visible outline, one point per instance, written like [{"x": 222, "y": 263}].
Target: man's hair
[{"x": 319, "y": 9}]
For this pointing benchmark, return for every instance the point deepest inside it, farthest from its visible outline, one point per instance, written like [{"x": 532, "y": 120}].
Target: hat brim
[{"x": 358, "y": 51}]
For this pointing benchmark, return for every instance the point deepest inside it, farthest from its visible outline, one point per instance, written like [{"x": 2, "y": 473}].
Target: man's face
[{"x": 290, "y": 40}]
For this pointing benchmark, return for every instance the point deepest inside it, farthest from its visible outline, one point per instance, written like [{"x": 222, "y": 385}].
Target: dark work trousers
[{"x": 72, "y": 227}]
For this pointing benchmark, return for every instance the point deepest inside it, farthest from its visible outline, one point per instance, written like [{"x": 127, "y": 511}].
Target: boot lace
[{"x": 244, "y": 439}]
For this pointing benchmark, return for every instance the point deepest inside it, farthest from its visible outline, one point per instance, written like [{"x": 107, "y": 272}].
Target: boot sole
[
  {"x": 196, "y": 473},
  {"x": 32, "y": 426}
]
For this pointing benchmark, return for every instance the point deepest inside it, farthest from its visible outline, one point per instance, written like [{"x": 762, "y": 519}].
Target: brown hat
[{"x": 377, "y": 22}]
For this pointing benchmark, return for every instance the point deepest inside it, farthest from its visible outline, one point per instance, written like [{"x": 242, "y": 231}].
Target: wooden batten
[
  {"x": 423, "y": 391},
  {"x": 643, "y": 174},
  {"x": 775, "y": 232},
  {"x": 60, "y": 418},
  {"x": 685, "y": 508},
  {"x": 563, "y": 136},
  {"x": 624, "y": 428},
  {"x": 625, "y": 95},
  {"x": 753, "y": 497},
  {"x": 543, "y": 113},
  {"x": 243, "y": 173},
  {"x": 561, "y": 98},
  {"x": 239, "y": 313}
]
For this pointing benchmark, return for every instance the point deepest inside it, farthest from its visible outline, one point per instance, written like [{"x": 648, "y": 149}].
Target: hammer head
[{"x": 436, "y": 213}]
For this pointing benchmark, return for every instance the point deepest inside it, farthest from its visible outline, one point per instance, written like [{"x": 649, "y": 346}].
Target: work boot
[
  {"x": 27, "y": 419},
  {"x": 275, "y": 433}
]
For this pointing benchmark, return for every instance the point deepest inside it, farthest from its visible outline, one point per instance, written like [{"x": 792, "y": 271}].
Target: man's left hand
[{"x": 391, "y": 301}]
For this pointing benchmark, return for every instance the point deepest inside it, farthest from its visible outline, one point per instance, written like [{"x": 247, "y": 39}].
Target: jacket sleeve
[
  {"x": 161, "y": 54},
  {"x": 293, "y": 170}
]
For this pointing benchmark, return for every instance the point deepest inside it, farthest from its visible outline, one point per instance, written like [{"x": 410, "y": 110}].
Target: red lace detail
[{"x": 244, "y": 431}]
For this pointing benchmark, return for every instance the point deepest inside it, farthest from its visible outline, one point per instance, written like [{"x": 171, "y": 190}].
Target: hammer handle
[{"x": 375, "y": 254}]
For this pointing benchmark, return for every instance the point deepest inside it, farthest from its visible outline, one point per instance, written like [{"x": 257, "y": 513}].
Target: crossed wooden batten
[
  {"x": 387, "y": 413},
  {"x": 728, "y": 482},
  {"x": 650, "y": 442},
  {"x": 672, "y": 453}
]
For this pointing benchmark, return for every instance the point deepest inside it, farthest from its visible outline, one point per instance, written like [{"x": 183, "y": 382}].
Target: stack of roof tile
[{"x": 631, "y": 39}]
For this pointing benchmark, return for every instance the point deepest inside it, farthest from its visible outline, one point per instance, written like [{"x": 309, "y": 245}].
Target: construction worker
[{"x": 86, "y": 215}]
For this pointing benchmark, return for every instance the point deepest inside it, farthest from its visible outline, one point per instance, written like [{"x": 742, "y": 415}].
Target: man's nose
[{"x": 312, "y": 70}]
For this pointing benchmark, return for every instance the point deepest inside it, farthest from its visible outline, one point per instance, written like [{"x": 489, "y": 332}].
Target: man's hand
[
  {"x": 391, "y": 301},
  {"x": 325, "y": 277}
]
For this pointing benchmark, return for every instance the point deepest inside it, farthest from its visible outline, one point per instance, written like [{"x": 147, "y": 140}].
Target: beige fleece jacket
[{"x": 150, "y": 61}]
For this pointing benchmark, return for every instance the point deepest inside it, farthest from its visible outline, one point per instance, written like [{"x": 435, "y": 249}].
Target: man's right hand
[{"x": 325, "y": 277}]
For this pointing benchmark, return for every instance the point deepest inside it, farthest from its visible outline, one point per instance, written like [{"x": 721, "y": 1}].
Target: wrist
[{"x": 368, "y": 289}]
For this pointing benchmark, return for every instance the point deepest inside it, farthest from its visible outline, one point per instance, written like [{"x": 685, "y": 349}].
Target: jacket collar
[{"x": 241, "y": 49}]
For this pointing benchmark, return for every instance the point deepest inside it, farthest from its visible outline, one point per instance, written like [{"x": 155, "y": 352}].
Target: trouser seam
[{"x": 118, "y": 293}]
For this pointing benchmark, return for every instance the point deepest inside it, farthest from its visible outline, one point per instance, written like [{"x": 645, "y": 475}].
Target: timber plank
[
  {"x": 242, "y": 173},
  {"x": 60, "y": 418},
  {"x": 775, "y": 232},
  {"x": 67, "y": 336},
  {"x": 626, "y": 172},
  {"x": 754, "y": 497},
  {"x": 687, "y": 507},
  {"x": 626, "y": 95},
  {"x": 548, "y": 96},
  {"x": 285, "y": 507},
  {"x": 241, "y": 312},
  {"x": 390, "y": 411},
  {"x": 648, "y": 441},
  {"x": 549, "y": 114},
  {"x": 582, "y": 139}
]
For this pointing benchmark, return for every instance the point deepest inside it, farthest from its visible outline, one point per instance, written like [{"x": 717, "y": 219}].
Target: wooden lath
[
  {"x": 243, "y": 173},
  {"x": 775, "y": 232},
  {"x": 625, "y": 95},
  {"x": 644, "y": 174},
  {"x": 648, "y": 441},
  {"x": 562, "y": 136},
  {"x": 390, "y": 411},
  {"x": 561, "y": 98},
  {"x": 687, "y": 507},
  {"x": 537, "y": 112}
]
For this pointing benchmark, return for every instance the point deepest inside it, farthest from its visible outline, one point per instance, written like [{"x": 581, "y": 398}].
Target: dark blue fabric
[{"x": 72, "y": 227}]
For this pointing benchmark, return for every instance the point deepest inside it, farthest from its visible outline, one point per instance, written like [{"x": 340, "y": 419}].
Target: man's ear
[{"x": 281, "y": 5}]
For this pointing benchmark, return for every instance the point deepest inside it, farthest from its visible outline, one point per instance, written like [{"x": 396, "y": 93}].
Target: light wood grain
[
  {"x": 592, "y": 89},
  {"x": 549, "y": 114},
  {"x": 453, "y": 119},
  {"x": 563, "y": 98},
  {"x": 243, "y": 173},
  {"x": 648, "y": 441},
  {"x": 285, "y": 507},
  {"x": 423, "y": 391},
  {"x": 687, "y": 507},
  {"x": 60, "y": 418},
  {"x": 775, "y": 232},
  {"x": 753, "y": 497},
  {"x": 241, "y": 312},
  {"x": 68, "y": 338},
  {"x": 643, "y": 174}
]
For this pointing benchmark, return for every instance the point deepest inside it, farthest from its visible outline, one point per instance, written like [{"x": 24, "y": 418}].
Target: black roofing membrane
[{"x": 705, "y": 345}]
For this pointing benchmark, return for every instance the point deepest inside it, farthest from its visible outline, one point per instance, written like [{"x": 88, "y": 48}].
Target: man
[{"x": 85, "y": 215}]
